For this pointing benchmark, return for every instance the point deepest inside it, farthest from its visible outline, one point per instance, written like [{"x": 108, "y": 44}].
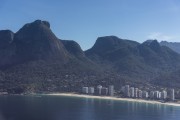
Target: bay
[{"x": 75, "y": 108}]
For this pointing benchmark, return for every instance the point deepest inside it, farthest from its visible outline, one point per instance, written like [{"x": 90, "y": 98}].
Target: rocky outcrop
[
  {"x": 37, "y": 41},
  {"x": 33, "y": 41}
]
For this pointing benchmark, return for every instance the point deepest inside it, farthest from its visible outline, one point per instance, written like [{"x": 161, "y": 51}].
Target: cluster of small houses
[{"x": 130, "y": 92}]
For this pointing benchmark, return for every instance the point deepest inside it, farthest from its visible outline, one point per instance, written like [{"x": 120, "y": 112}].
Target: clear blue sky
[{"x": 85, "y": 20}]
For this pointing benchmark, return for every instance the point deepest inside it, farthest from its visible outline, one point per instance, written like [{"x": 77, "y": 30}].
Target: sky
[{"x": 85, "y": 20}]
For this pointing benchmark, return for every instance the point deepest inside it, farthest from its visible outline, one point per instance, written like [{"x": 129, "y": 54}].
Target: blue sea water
[{"x": 75, "y": 108}]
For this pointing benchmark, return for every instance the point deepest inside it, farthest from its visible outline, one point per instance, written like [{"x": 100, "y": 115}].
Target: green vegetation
[{"x": 35, "y": 60}]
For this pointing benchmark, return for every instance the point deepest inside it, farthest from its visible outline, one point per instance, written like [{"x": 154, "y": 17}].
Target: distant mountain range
[
  {"x": 173, "y": 45},
  {"x": 35, "y": 60}
]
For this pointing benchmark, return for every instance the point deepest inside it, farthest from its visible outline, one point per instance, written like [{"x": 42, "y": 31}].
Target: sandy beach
[{"x": 113, "y": 98}]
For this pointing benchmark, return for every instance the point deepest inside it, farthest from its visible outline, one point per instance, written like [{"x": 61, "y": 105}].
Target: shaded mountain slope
[
  {"x": 7, "y": 48},
  {"x": 157, "y": 55},
  {"x": 32, "y": 42},
  {"x": 173, "y": 45},
  {"x": 137, "y": 61},
  {"x": 73, "y": 48},
  {"x": 36, "y": 41}
]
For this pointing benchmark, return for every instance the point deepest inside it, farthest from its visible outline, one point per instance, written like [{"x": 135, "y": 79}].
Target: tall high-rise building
[
  {"x": 164, "y": 94},
  {"x": 131, "y": 92},
  {"x": 85, "y": 90},
  {"x": 104, "y": 91},
  {"x": 123, "y": 89},
  {"x": 111, "y": 90},
  {"x": 160, "y": 94},
  {"x": 98, "y": 91},
  {"x": 145, "y": 94},
  {"x": 136, "y": 93},
  {"x": 91, "y": 90},
  {"x": 139, "y": 93},
  {"x": 127, "y": 93},
  {"x": 151, "y": 95},
  {"x": 156, "y": 94},
  {"x": 172, "y": 96}
]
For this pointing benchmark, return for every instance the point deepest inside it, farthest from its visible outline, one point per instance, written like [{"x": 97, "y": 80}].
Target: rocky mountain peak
[
  {"x": 108, "y": 44},
  {"x": 153, "y": 44},
  {"x": 108, "y": 41},
  {"x": 36, "y": 41},
  {"x": 38, "y": 23}
]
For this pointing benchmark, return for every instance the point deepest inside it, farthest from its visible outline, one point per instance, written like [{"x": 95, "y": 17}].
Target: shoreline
[{"x": 113, "y": 98}]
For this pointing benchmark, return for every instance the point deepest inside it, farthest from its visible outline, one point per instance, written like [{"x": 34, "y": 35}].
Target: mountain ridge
[
  {"x": 34, "y": 59},
  {"x": 141, "y": 60},
  {"x": 173, "y": 45}
]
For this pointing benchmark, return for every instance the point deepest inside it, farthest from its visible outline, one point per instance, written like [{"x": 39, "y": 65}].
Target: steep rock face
[{"x": 36, "y": 41}]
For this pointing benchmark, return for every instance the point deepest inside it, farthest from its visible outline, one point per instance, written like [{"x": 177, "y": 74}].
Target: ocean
[{"x": 75, "y": 108}]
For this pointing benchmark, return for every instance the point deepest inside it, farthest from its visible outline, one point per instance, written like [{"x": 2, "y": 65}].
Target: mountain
[
  {"x": 113, "y": 49},
  {"x": 110, "y": 48},
  {"x": 158, "y": 55},
  {"x": 32, "y": 42},
  {"x": 138, "y": 62},
  {"x": 173, "y": 45},
  {"x": 73, "y": 48},
  {"x": 34, "y": 60},
  {"x": 37, "y": 41},
  {"x": 7, "y": 48}
]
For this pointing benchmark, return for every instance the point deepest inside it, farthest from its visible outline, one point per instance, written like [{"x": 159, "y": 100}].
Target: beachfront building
[
  {"x": 104, "y": 91},
  {"x": 136, "y": 92},
  {"x": 127, "y": 93},
  {"x": 111, "y": 90},
  {"x": 156, "y": 95},
  {"x": 85, "y": 90},
  {"x": 172, "y": 97},
  {"x": 98, "y": 91},
  {"x": 123, "y": 89},
  {"x": 164, "y": 95},
  {"x": 139, "y": 93},
  {"x": 151, "y": 95},
  {"x": 91, "y": 90},
  {"x": 145, "y": 94},
  {"x": 160, "y": 94},
  {"x": 131, "y": 92}
]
